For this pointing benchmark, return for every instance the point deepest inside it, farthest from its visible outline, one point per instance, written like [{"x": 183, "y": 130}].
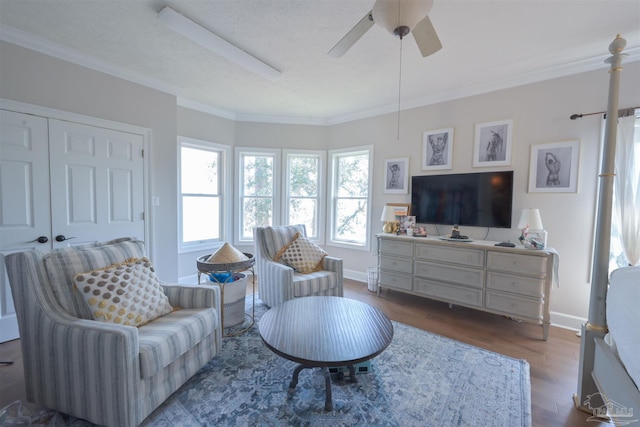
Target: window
[
  {"x": 202, "y": 206},
  {"x": 350, "y": 196},
  {"x": 257, "y": 185},
  {"x": 303, "y": 176}
]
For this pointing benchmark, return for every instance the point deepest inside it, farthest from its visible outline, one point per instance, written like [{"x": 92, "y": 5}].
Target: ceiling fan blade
[
  {"x": 426, "y": 37},
  {"x": 352, "y": 36}
]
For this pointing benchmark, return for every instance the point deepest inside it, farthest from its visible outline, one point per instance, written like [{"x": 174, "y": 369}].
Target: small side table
[{"x": 232, "y": 267}]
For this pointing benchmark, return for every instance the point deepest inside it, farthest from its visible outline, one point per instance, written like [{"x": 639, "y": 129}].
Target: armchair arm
[
  {"x": 193, "y": 296},
  {"x": 330, "y": 263},
  {"x": 275, "y": 282}
]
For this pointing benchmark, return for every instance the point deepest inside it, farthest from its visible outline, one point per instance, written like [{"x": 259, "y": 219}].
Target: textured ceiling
[{"x": 488, "y": 45}]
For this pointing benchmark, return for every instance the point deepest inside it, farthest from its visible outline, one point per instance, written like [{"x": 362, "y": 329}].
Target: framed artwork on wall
[
  {"x": 553, "y": 167},
  {"x": 493, "y": 144},
  {"x": 396, "y": 176},
  {"x": 437, "y": 149}
]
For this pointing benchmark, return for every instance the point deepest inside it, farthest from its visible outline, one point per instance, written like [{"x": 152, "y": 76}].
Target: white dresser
[{"x": 514, "y": 282}]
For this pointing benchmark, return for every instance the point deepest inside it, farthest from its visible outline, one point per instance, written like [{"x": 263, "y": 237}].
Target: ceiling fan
[{"x": 399, "y": 17}]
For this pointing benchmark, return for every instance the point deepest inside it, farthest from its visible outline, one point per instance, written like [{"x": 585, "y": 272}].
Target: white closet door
[
  {"x": 24, "y": 199},
  {"x": 96, "y": 183}
]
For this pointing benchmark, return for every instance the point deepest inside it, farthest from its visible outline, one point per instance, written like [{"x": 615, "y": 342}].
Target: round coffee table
[{"x": 324, "y": 332}]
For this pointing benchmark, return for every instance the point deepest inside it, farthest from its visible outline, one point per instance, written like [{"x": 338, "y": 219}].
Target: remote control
[{"x": 506, "y": 244}]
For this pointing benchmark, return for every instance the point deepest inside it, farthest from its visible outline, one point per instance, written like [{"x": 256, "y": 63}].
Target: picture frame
[
  {"x": 396, "y": 175},
  {"x": 553, "y": 167},
  {"x": 493, "y": 142},
  {"x": 437, "y": 149}
]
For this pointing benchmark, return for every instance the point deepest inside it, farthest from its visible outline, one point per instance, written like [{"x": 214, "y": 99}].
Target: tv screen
[{"x": 473, "y": 199}]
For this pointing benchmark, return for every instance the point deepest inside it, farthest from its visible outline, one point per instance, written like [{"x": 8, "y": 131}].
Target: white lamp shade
[
  {"x": 388, "y": 214},
  {"x": 531, "y": 218},
  {"x": 391, "y": 14}
]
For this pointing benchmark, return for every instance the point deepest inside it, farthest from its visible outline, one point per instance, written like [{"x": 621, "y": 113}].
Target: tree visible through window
[
  {"x": 303, "y": 175},
  {"x": 350, "y": 195},
  {"x": 257, "y": 192}
]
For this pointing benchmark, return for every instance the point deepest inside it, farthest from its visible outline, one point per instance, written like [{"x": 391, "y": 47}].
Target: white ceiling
[{"x": 488, "y": 45}]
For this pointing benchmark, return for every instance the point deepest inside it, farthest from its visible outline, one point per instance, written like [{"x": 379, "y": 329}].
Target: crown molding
[
  {"x": 564, "y": 70},
  {"x": 26, "y": 40}
]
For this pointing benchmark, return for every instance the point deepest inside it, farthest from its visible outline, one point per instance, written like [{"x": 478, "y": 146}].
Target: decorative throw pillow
[
  {"x": 126, "y": 294},
  {"x": 302, "y": 254}
]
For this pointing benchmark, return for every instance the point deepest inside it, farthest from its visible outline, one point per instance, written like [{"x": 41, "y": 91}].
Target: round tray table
[{"x": 205, "y": 267}]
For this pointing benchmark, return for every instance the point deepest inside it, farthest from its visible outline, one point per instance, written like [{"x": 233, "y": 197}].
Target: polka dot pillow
[
  {"x": 126, "y": 294},
  {"x": 302, "y": 255}
]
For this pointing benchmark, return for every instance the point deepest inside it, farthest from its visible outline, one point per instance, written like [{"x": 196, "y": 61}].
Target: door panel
[
  {"x": 24, "y": 199},
  {"x": 59, "y": 179},
  {"x": 96, "y": 183}
]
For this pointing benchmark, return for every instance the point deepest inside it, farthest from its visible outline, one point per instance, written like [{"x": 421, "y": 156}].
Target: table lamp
[
  {"x": 533, "y": 236},
  {"x": 389, "y": 218}
]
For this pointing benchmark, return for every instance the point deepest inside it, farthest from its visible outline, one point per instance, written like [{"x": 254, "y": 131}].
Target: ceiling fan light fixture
[{"x": 394, "y": 14}]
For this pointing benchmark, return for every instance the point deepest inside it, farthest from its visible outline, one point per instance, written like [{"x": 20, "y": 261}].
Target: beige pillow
[
  {"x": 302, "y": 255},
  {"x": 126, "y": 294}
]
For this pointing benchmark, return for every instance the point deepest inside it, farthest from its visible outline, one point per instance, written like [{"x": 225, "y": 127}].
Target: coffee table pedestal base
[{"x": 328, "y": 402}]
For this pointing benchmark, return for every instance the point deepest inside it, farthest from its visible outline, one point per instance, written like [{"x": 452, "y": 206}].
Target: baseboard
[
  {"x": 567, "y": 321},
  {"x": 358, "y": 276}
]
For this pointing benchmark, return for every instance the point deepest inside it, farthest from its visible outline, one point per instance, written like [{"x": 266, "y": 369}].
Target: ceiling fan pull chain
[{"x": 399, "y": 89}]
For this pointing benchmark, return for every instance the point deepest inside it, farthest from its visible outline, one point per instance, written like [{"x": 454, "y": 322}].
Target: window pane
[
  {"x": 256, "y": 212},
  {"x": 304, "y": 211},
  {"x": 258, "y": 176},
  {"x": 303, "y": 176},
  {"x": 351, "y": 220},
  {"x": 199, "y": 170},
  {"x": 200, "y": 218},
  {"x": 353, "y": 176}
]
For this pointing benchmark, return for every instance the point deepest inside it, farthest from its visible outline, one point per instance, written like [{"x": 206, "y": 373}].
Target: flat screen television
[{"x": 473, "y": 199}]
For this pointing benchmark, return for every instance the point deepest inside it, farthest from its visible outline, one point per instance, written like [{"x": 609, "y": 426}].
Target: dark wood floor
[{"x": 554, "y": 363}]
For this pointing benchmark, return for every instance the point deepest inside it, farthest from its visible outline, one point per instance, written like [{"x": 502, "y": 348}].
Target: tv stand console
[{"x": 514, "y": 282}]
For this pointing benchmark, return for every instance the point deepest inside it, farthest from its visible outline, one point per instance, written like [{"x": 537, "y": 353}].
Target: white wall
[{"x": 540, "y": 113}]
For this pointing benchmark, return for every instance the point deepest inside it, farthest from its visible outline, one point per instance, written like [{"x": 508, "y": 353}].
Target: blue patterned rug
[{"x": 421, "y": 379}]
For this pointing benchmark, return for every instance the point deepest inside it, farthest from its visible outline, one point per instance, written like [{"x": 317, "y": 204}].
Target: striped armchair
[
  {"x": 278, "y": 282},
  {"x": 106, "y": 373}
]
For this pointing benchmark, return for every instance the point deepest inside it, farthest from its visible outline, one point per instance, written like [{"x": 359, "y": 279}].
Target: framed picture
[
  {"x": 493, "y": 144},
  {"x": 554, "y": 167},
  {"x": 437, "y": 149},
  {"x": 396, "y": 176},
  {"x": 401, "y": 209}
]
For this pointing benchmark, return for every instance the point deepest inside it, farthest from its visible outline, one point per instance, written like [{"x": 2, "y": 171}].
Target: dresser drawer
[
  {"x": 393, "y": 247},
  {"x": 394, "y": 280},
  {"x": 516, "y": 263},
  {"x": 448, "y": 273},
  {"x": 514, "y": 306},
  {"x": 403, "y": 265},
  {"x": 451, "y": 293},
  {"x": 454, "y": 255},
  {"x": 521, "y": 285}
]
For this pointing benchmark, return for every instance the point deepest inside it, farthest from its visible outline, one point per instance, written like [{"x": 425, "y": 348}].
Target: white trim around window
[
  {"x": 243, "y": 233},
  {"x": 221, "y": 194},
  {"x": 361, "y": 239},
  {"x": 314, "y": 202}
]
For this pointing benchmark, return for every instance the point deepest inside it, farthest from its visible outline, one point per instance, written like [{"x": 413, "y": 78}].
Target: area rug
[{"x": 421, "y": 379}]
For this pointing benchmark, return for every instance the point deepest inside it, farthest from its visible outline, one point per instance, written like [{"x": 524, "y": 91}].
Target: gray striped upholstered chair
[
  {"x": 106, "y": 373},
  {"x": 277, "y": 282}
]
